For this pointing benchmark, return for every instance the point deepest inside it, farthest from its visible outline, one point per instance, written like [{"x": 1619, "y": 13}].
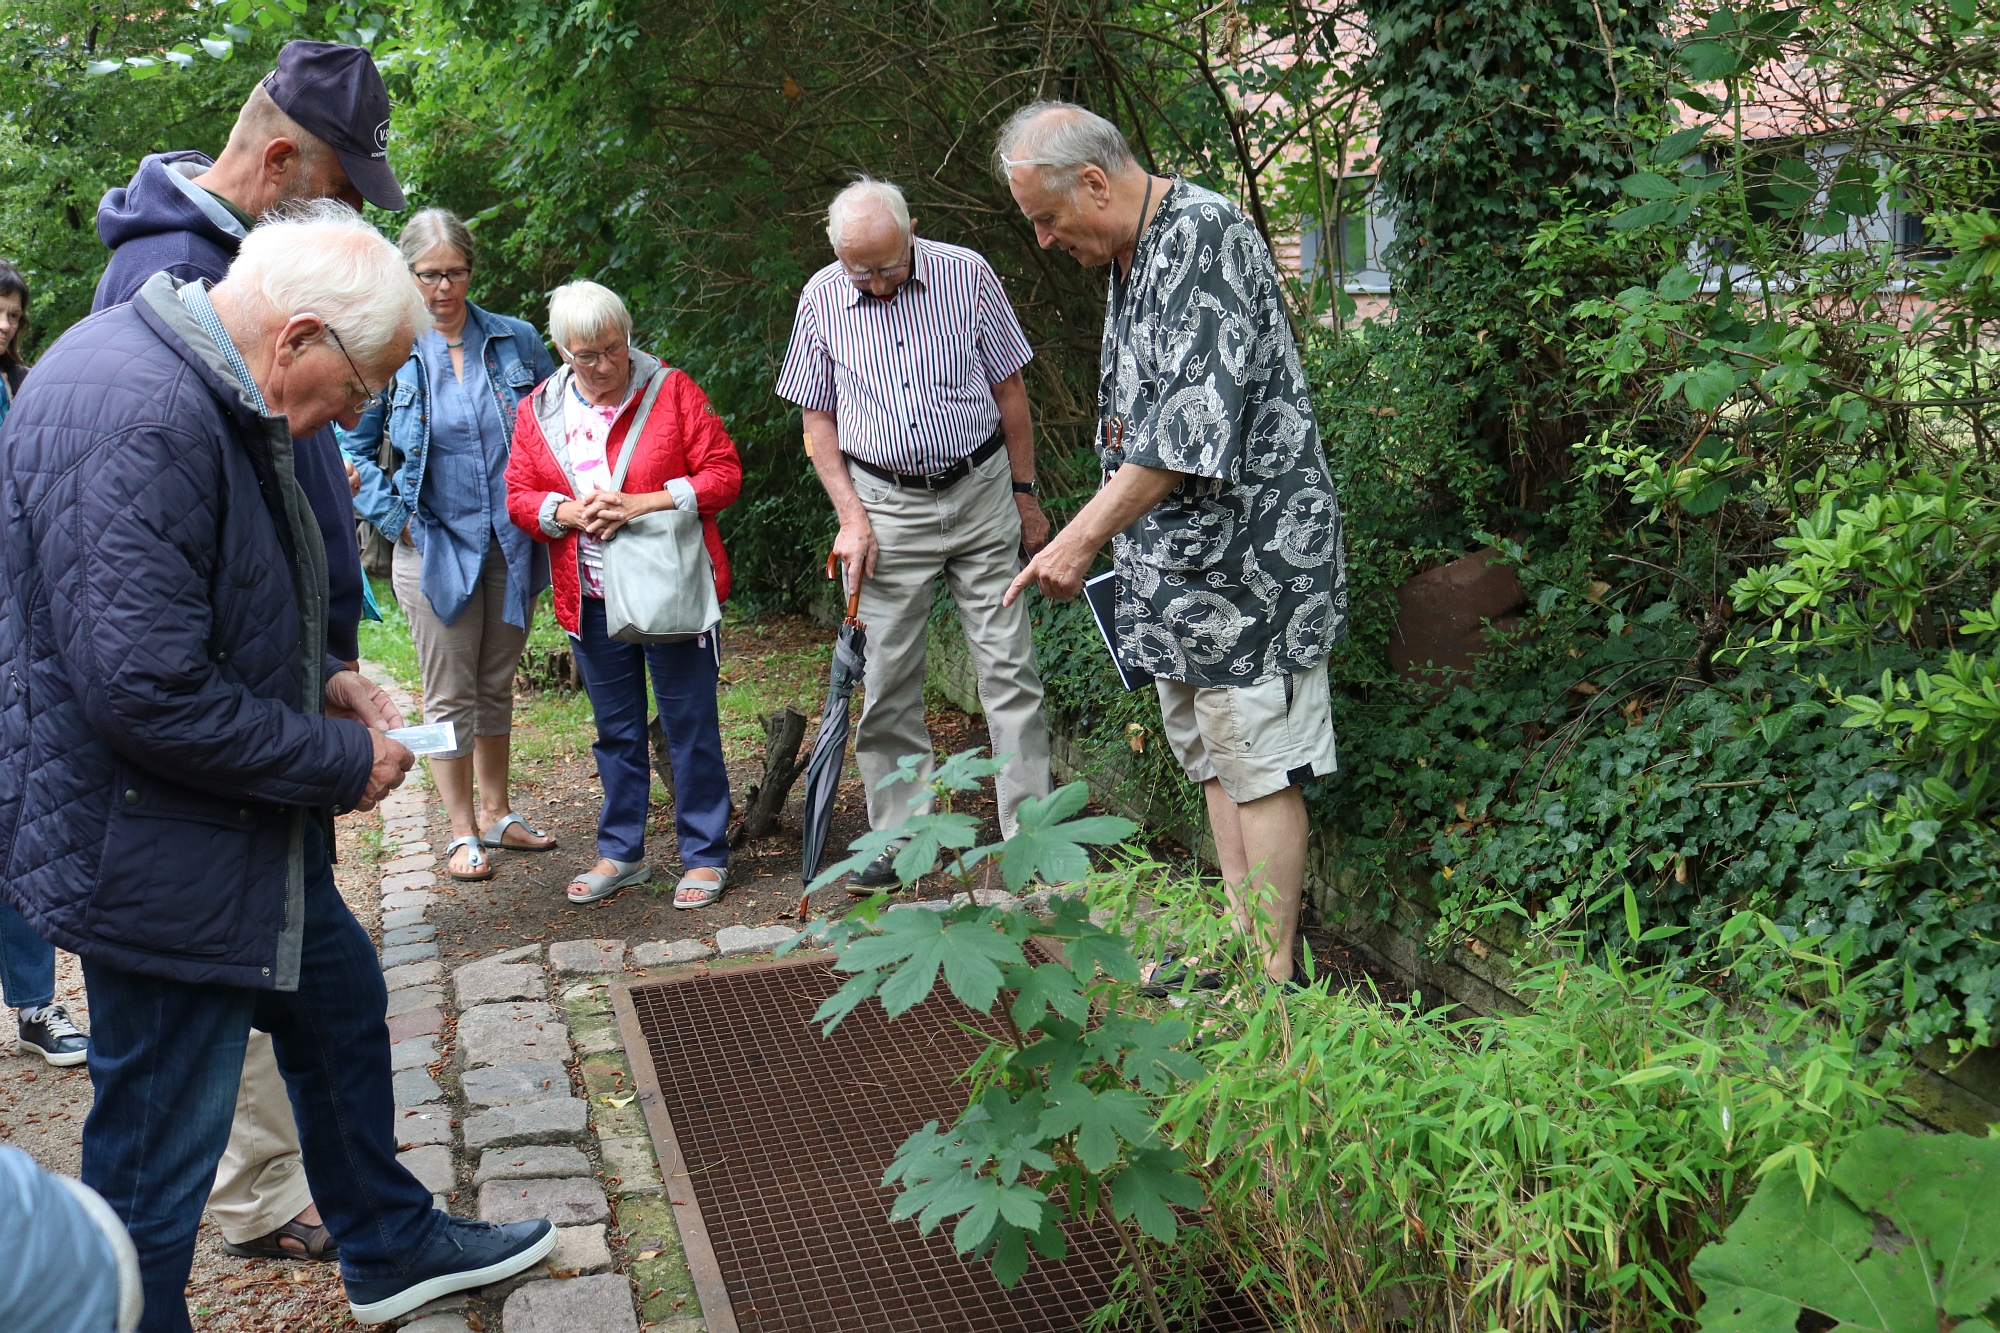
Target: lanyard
[{"x": 1120, "y": 291}]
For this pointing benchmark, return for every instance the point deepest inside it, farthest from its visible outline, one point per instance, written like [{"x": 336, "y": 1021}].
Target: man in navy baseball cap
[{"x": 336, "y": 93}]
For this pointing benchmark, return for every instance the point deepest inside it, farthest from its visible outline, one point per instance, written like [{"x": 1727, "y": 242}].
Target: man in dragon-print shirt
[{"x": 1224, "y": 523}]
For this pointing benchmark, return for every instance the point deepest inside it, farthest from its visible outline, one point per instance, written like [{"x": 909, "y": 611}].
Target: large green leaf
[
  {"x": 1705, "y": 62},
  {"x": 1904, "y": 1241},
  {"x": 1148, "y": 1187},
  {"x": 1099, "y": 1120},
  {"x": 1049, "y": 842}
]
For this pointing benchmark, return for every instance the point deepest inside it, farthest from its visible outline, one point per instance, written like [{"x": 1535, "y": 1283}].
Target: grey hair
[
  {"x": 431, "y": 228},
  {"x": 319, "y": 257},
  {"x": 262, "y": 120},
  {"x": 1062, "y": 138},
  {"x": 581, "y": 311},
  {"x": 857, "y": 197}
]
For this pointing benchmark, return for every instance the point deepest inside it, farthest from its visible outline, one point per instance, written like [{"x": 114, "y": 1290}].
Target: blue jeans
[
  {"x": 165, "y": 1061},
  {"x": 684, "y": 679},
  {"x": 27, "y": 962}
]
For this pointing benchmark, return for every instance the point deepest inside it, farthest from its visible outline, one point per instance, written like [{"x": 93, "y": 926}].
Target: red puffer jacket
[{"x": 684, "y": 438}]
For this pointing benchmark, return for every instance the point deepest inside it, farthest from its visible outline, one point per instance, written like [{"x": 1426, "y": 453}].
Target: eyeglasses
[
  {"x": 1011, "y": 162},
  {"x": 431, "y": 277},
  {"x": 870, "y": 274},
  {"x": 592, "y": 360},
  {"x": 369, "y": 397}
]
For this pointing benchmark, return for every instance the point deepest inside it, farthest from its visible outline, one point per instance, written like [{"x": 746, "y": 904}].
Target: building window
[{"x": 1348, "y": 250}]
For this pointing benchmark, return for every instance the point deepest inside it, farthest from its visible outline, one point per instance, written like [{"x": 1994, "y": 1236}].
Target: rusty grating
[{"x": 773, "y": 1140}]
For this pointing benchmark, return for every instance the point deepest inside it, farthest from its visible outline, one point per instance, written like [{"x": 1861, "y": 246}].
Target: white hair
[
  {"x": 856, "y": 201},
  {"x": 1062, "y": 139},
  {"x": 318, "y": 257},
  {"x": 580, "y": 312}
]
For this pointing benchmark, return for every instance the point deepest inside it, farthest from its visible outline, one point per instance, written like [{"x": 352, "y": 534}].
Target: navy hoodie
[{"x": 164, "y": 222}]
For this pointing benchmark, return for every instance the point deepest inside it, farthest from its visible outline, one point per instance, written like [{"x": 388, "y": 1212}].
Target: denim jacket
[{"x": 516, "y": 361}]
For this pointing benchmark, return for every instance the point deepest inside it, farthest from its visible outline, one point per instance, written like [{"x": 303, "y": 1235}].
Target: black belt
[{"x": 936, "y": 481}]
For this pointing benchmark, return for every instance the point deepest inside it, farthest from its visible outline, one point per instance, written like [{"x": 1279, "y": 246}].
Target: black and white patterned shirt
[{"x": 1240, "y": 574}]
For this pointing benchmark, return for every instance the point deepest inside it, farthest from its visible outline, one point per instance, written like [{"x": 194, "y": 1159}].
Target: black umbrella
[{"x": 829, "y": 752}]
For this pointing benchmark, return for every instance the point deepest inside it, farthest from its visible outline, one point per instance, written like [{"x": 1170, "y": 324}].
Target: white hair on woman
[
  {"x": 320, "y": 258},
  {"x": 583, "y": 312},
  {"x": 861, "y": 198},
  {"x": 1062, "y": 139}
]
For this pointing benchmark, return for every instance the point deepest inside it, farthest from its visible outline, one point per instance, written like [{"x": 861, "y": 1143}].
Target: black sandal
[{"x": 317, "y": 1240}]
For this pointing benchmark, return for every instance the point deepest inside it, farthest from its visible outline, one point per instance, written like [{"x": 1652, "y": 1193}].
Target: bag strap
[{"x": 638, "y": 426}]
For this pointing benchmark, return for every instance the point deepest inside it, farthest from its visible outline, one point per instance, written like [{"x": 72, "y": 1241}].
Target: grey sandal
[
  {"x": 599, "y": 887},
  {"x": 711, "y": 889},
  {"x": 481, "y": 867},
  {"x": 497, "y": 835}
]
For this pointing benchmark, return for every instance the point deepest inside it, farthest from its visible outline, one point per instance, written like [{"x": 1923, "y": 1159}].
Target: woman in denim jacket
[{"x": 465, "y": 576}]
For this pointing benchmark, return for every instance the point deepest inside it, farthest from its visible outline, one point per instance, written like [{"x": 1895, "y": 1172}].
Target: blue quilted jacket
[{"x": 162, "y": 656}]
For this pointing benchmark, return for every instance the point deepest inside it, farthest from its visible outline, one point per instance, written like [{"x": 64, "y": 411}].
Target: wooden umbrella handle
[{"x": 853, "y": 598}]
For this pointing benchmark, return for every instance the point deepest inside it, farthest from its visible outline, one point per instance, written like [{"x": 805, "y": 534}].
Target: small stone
[
  {"x": 515, "y": 1084},
  {"x": 516, "y": 955},
  {"x": 407, "y": 953},
  {"x": 415, "y": 879},
  {"x": 412, "y": 848},
  {"x": 432, "y": 1168},
  {"x": 414, "y": 1087},
  {"x": 414, "y": 934},
  {"x": 399, "y": 917},
  {"x": 530, "y": 1164},
  {"x": 483, "y": 983},
  {"x": 407, "y": 998},
  {"x": 923, "y": 905},
  {"x": 407, "y": 863},
  {"x": 601, "y": 1304},
  {"x": 413, "y": 1053},
  {"x": 582, "y": 958},
  {"x": 586, "y": 996},
  {"x": 415, "y": 1023},
  {"x": 630, "y": 1160},
  {"x": 574, "y": 1201},
  {"x": 494, "y": 1034},
  {"x": 538, "y": 1122},
  {"x": 414, "y": 974},
  {"x": 396, "y": 902},
  {"x": 439, "y": 1323},
  {"x": 420, "y": 1125},
  {"x": 665, "y": 953},
  {"x": 731, "y": 941},
  {"x": 578, "y": 1251},
  {"x": 995, "y": 898},
  {"x": 593, "y": 1036}
]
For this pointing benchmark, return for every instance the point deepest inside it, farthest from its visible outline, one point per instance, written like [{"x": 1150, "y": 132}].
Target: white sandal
[
  {"x": 711, "y": 889},
  {"x": 599, "y": 887}
]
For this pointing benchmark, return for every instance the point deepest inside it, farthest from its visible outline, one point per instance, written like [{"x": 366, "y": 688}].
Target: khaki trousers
[
  {"x": 260, "y": 1184},
  {"x": 971, "y": 534},
  {"x": 468, "y": 666}
]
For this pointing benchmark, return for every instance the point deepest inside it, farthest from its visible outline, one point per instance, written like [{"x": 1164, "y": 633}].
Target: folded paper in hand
[{"x": 431, "y": 738}]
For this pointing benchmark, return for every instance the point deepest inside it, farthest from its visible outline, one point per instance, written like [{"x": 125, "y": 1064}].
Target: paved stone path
[{"x": 514, "y": 1099}]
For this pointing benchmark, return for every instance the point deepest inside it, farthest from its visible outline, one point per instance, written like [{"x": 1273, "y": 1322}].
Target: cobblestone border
[{"x": 514, "y": 1100}]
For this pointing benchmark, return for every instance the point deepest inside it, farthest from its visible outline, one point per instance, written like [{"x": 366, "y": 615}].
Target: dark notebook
[{"x": 1102, "y": 595}]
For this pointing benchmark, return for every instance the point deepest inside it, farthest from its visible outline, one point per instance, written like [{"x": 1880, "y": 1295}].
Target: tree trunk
[{"x": 784, "y": 734}]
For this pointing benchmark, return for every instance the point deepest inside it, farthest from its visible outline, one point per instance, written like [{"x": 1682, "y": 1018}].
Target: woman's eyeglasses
[
  {"x": 431, "y": 277},
  {"x": 592, "y": 360}
]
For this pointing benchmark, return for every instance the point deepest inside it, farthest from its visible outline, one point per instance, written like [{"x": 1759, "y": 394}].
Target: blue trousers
[
  {"x": 165, "y": 1061},
  {"x": 27, "y": 962},
  {"x": 684, "y": 680}
]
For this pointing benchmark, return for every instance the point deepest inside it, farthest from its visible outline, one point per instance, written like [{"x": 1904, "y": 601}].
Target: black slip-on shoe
[
  {"x": 878, "y": 876},
  {"x": 55, "y": 1037},
  {"x": 465, "y": 1255}
]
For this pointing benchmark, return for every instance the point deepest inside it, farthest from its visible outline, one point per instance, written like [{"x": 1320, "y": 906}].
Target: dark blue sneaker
[
  {"x": 465, "y": 1255},
  {"x": 52, "y": 1035}
]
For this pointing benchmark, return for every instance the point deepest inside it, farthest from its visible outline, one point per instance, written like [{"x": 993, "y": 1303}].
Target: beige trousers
[
  {"x": 260, "y": 1184},
  {"x": 971, "y": 534},
  {"x": 468, "y": 666}
]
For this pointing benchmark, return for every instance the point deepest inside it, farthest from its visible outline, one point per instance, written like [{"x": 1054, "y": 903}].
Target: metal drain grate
[{"x": 778, "y": 1138}]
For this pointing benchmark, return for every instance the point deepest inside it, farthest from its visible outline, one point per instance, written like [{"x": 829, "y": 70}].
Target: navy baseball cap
[{"x": 336, "y": 92}]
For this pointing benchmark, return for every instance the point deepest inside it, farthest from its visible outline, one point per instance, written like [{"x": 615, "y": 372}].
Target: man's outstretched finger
[{"x": 1021, "y": 580}]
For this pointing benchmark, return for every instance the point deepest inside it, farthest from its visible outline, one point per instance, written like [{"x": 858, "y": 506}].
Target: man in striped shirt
[{"x": 906, "y": 359}]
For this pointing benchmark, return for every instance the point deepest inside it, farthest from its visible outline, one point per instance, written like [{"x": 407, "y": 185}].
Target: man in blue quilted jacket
[{"x": 174, "y": 739}]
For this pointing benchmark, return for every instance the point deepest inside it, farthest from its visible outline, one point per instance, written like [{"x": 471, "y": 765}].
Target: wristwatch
[{"x": 1026, "y": 488}]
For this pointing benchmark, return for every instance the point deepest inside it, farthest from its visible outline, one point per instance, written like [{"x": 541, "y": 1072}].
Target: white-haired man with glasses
[
  {"x": 906, "y": 359},
  {"x": 1217, "y": 500},
  {"x": 168, "y": 798}
]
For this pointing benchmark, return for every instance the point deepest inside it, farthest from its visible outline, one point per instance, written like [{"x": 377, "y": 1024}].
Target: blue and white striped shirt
[{"x": 909, "y": 379}]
